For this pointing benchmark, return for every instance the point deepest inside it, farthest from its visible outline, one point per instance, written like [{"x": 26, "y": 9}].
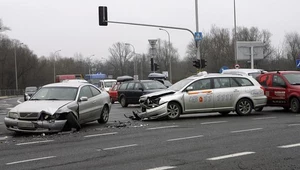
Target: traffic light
[
  {"x": 151, "y": 62},
  {"x": 103, "y": 16},
  {"x": 203, "y": 63},
  {"x": 156, "y": 67},
  {"x": 196, "y": 63}
]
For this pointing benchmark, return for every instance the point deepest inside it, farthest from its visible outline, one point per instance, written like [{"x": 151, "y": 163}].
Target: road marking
[
  {"x": 162, "y": 127},
  {"x": 246, "y": 130},
  {"x": 19, "y": 101},
  {"x": 262, "y": 118},
  {"x": 163, "y": 168},
  {"x": 9, "y": 108},
  {"x": 102, "y": 134},
  {"x": 3, "y": 113},
  {"x": 3, "y": 138},
  {"x": 190, "y": 137},
  {"x": 118, "y": 147},
  {"x": 28, "y": 143},
  {"x": 230, "y": 156},
  {"x": 289, "y": 146},
  {"x": 30, "y": 160},
  {"x": 294, "y": 125},
  {"x": 207, "y": 123}
]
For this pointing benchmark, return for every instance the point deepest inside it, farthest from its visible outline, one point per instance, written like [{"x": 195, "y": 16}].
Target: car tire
[
  {"x": 72, "y": 122},
  {"x": 243, "y": 107},
  {"x": 174, "y": 110},
  {"x": 295, "y": 105},
  {"x": 104, "y": 116},
  {"x": 123, "y": 102},
  {"x": 259, "y": 109},
  {"x": 225, "y": 113}
]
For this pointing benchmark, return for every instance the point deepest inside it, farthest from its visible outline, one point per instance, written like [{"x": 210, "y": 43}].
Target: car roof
[
  {"x": 212, "y": 75},
  {"x": 243, "y": 70},
  {"x": 107, "y": 80},
  {"x": 282, "y": 72},
  {"x": 70, "y": 84}
]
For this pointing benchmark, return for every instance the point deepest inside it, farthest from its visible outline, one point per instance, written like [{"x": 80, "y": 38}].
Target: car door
[
  {"x": 138, "y": 92},
  {"x": 99, "y": 98},
  {"x": 86, "y": 108},
  {"x": 277, "y": 91},
  {"x": 198, "y": 96},
  {"x": 130, "y": 93}
]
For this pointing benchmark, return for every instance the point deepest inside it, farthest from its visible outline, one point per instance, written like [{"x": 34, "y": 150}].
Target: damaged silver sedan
[
  {"x": 60, "y": 106},
  {"x": 202, "y": 94}
]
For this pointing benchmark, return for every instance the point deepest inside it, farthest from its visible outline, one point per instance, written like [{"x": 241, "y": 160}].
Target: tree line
[{"x": 217, "y": 47}]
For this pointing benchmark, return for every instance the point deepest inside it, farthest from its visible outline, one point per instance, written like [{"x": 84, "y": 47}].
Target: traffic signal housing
[
  {"x": 156, "y": 66},
  {"x": 103, "y": 16},
  {"x": 200, "y": 63},
  {"x": 203, "y": 63},
  {"x": 196, "y": 63},
  {"x": 152, "y": 64}
]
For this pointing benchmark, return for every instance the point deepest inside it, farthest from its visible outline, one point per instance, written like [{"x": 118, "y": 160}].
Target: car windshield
[
  {"x": 293, "y": 78},
  {"x": 179, "y": 85},
  {"x": 149, "y": 85},
  {"x": 109, "y": 83},
  {"x": 55, "y": 93}
]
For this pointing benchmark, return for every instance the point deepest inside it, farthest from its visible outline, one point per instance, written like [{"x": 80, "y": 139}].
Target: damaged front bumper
[
  {"x": 34, "y": 125},
  {"x": 154, "y": 112}
]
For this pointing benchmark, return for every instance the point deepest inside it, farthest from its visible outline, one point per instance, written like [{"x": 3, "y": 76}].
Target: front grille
[{"x": 29, "y": 115}]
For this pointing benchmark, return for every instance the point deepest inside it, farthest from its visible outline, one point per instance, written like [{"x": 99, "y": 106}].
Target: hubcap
[
  {"x": 173, "y": 111},
  {"x": 244, "y": 107},
  {"x": 294, "y": 105},
  {"x": 105, "y": 114}
]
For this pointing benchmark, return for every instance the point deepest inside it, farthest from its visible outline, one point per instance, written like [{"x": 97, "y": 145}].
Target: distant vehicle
[
  {"x": 204, "y": 93},
  {"x": 60, "y": 78},
  {"x": 106, "y": 84},
  {"x": 130, "y": 92},
  {"x": 282, "y": 89},
  {"x": 161, "y": 78},
  {"x": 95, "y": 78},
  {"x": 29, "y": 91},
  {"x": 113, "y": 93},
  {"x": 245, "y": 72},
  {"x": 121, "y": 79},
  {"x": 60, "y": 106}
]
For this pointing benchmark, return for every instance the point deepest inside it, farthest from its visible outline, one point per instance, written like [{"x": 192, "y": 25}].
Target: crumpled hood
[
  {"x": 49, "y": 106},
  {"x": 159, "y": 93}
]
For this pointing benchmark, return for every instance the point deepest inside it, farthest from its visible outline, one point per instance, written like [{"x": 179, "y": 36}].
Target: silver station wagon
[
  {"x": 60, "y": 106},
  {"x": 204, "y": 93}
]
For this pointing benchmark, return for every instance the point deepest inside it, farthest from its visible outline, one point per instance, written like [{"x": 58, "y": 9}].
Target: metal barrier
[{"x": 11, "y": 92}]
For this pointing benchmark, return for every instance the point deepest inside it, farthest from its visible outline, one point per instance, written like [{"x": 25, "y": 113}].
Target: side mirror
[
  {"x": 190, "y": 88},
  {"x": 27, "y": 97},
  {"x": 83, "y": 98}
]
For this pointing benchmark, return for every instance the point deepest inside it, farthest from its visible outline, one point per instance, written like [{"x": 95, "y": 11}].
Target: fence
[{"x": 11, "y": 92}]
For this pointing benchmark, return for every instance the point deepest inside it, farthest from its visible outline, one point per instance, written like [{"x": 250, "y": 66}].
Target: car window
[
  {"x": 201, "y": 84},
  {"x": 233, "y": 83},
  {"x": 264, "y": 80},
  {"x": 149, "y": 85},
  {"x": 95, "y": 91},
  {"x": 278, "y": 81},
  {"x": 137, "y": 86},
  {"x": 115, "y": 87},
  {"x": 55, "y": 93},
  {"x": 123, "y": 86},
  {"x": 222, "y": 82},
  {"x": 130, "y": 86},
  {"x": 293, "y": 78},
  {"x": 243, "y": 81},
  {"x": 85, "y": 92}
]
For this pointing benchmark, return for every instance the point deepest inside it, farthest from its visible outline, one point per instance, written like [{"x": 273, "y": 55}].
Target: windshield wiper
[
  {"x": 295, "y": 83},
  {"x": 53, "y": 99}
]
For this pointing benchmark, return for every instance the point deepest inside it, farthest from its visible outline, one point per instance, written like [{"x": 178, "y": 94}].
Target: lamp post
[
  {"x": 169, "y": 53},
  {"x": 90, "y": 63},
  {"x": 134, "y": 65},
  {"x": 235, "y": 45},
  {"x": 16, "y": 69},
  {"x": 54, "y": 64}
]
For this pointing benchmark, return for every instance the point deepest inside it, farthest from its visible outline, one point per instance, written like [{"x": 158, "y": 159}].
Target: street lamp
[
  {"x": 90, "y": 63},
  {"x": 54, "y": 64},
  {"x": 134, "y": 65},
  {"x": 169, "y": 53},
  {"x": 16, "y": 69},
  {"x": 235, "y": 45}
]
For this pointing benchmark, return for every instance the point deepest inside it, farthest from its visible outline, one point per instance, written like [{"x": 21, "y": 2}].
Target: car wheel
[
  {"x": 104, "y": 115},
  {"x": 123, "y": 102},
  {"x": 243, "y": 107},
  {"x": 224, "y": 113},
  {"x": 72, "y": 122},
  {"x": 174, "y": 110},
  {"x": 295, "y": 106},
  {"x": 259, "y": 109}
]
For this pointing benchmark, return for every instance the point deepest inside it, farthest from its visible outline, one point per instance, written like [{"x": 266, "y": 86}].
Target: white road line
[
  {"x": 118, "y": 147},
  {"x": 163, "y": 168},
  {"x": 207, "y": 123},
  {"x": 28, "y": 143},
  {"x": 3, "y": 113},
  {"x": 30, "y": 160},
  {"x": 262, "y": 118},
  {"x": 190, "y": 137},
  {"x": 101, "y": 134},
  {"x": 246, "y": 130},
  {"x": 19, "y": 100},
  {"x": 3, "y": 138},
  {"x": 230, "y": 156},
  {"x": 9, "y": 108},
  {"x": 162, "y": 127},
  {"x": 294, "y": 125},
  {"x": 289, "y": 146}
]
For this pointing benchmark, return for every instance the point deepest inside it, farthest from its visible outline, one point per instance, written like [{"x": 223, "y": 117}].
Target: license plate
[{"x": 25, "y": 125}]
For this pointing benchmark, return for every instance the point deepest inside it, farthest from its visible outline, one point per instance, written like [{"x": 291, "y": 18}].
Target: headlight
[{"x": 13, "y": 115}]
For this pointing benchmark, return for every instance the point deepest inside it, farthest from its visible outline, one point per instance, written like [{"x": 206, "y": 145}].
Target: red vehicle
[
  {"x": 113, "y": 93},
  {"x": 60, "y": 78},
  {"x": 282, "y": 89}
]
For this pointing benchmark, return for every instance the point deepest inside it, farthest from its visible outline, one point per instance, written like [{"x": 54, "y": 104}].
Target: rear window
[
  {"x": 123, "y": 86},
  {"x": 243, "y": 81}
]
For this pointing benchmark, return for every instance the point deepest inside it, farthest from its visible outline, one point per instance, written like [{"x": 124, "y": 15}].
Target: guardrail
[{"x": 11, "y": 92}]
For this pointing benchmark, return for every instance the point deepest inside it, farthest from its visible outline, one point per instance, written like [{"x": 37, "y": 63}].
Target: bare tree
[{"x": 292, "y": 41}]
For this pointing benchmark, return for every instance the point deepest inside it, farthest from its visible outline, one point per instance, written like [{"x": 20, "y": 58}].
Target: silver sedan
[
  {"x": 204, "y": 93},
  {"x": 60, "y": 106}
]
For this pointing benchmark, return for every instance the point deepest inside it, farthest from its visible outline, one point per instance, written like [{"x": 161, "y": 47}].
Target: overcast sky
[{"x": 72, "y": 25}]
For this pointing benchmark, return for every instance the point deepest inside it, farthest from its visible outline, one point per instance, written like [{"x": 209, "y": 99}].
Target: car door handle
[{"x": 94, "y": 102}]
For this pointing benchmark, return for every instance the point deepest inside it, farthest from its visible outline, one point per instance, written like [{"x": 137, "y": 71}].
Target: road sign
[
  {"x": 223, "y": 68},
  {"x": 152, "y": 42},
  {"x": 198, "y": 36},
  {"x": 237, "y": 66},
  {"x": 298, "y": 63}
]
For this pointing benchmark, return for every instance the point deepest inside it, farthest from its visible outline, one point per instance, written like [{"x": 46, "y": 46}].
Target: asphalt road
[{"x": 265, "y": 140}]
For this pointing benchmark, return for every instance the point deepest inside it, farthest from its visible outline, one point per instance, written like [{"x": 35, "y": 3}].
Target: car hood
[
  {"x": 159, "y": 93},
  {"x": 48, "y": 106}
]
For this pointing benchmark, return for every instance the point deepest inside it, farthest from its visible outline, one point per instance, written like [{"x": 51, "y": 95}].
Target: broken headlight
[{"x": 13, "y": 115}]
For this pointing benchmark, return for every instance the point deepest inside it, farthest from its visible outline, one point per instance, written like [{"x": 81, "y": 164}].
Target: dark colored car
[
  {"x": 130, "y": 92},
  {"x": 29, "y": 91},
  {"x": 282, "y": 89}
]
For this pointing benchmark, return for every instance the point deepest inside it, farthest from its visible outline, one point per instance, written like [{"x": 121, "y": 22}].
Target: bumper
[
  {"x": 259, "y": 101},
  {"x": 155, "y": 113},
  {"x": 34, "y": 126}
]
